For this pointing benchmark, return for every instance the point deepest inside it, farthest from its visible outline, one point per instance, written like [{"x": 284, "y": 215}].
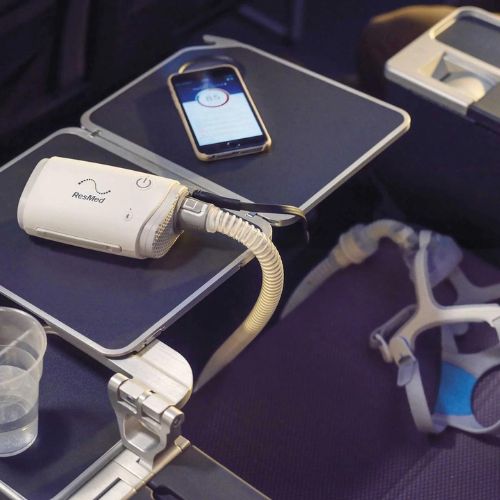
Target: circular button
[{"x": 143, "y": 182}]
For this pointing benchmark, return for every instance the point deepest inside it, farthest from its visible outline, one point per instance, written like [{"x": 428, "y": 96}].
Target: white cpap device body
[{"x": 100, "y": 207}]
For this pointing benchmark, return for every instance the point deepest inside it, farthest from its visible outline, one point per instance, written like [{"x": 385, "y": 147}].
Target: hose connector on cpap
[
  {"x": 353, "y": 247},
  {"x": 205, "y": 217}
]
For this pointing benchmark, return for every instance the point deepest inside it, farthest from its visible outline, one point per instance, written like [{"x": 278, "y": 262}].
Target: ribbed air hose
[{"x": 220, "y": 221}]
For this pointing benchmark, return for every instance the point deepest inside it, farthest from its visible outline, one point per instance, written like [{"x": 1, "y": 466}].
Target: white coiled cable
[
  {"x": 220, "y": 221},
  {"x": 354, "y": 246}
]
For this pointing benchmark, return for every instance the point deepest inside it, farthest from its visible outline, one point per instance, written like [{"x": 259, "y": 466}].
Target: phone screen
[{"x": 218, "y": 110}]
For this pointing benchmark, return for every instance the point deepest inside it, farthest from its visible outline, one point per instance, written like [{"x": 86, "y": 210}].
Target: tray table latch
[{"x": 148, "y": 422}]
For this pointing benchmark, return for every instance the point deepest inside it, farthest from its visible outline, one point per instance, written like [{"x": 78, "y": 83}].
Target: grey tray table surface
[
  {"x": 77, "y": 425},
  {"x": 105, "y": 304},
  {"x": 322, "y": 131}
]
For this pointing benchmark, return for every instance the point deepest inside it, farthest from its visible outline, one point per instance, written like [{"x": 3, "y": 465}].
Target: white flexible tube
[
  {"x": 220, "y": 221},
  {"x": 402, "y": 235},
  {"x": 354, "y": 246}
]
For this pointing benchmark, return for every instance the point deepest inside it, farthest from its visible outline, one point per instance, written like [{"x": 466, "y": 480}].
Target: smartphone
[{"x": 218, "y": 113}]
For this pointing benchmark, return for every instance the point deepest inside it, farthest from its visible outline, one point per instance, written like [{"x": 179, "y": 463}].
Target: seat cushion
[{"x": 309, "y": 411}]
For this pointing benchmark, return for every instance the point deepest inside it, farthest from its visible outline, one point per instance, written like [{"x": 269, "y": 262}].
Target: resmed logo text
[{"x": 88, "y": 197}]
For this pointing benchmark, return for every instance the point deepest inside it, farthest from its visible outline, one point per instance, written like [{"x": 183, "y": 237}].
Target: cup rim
[{"x": 43, "y": 335}]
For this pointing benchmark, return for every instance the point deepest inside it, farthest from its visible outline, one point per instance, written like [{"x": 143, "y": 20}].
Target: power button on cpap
[{"x": 143, "y": 182}]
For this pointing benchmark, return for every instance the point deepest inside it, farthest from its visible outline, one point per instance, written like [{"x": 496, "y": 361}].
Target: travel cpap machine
[
  {"x": 140, "y": 215},
  {"x": 100, "y": 207}
]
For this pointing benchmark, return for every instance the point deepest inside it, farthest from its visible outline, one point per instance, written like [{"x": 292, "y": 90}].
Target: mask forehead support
[{"x": 429, "y": 314}]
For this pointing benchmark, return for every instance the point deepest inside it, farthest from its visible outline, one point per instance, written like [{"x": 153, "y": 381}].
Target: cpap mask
[
  {"x": 140, "y": 215},
  {"x": 437, "y": 259},
  {"x": 431, "y": 259}
]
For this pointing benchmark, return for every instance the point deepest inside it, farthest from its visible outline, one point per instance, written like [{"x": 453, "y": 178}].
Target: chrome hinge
[{"x": 148, "y": 423}]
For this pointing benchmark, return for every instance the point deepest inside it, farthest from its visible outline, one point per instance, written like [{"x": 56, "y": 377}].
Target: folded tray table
[
  {"x": 322, "y": 131},
  {"x": 107, "y": 304}
]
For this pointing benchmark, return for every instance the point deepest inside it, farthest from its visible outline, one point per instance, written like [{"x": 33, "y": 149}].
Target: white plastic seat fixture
[{"x": 460, "y": 372}]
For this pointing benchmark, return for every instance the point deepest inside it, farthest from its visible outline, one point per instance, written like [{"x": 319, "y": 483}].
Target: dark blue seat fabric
[
  {"x": 309, "y": 411},
  {"x": 42, "y": 66},
  {"x": 28, "y": 32},
  {"x": 127, "y": 38},
  {"x": 448, "y": 184}
]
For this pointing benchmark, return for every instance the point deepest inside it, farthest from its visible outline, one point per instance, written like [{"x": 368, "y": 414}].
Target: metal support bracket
[
  {"x": 150, "y": 426},
  {"x": 123, "y": 476},
  {"x": 148, "y": 423},
  {"x": 146, "y": 395}
]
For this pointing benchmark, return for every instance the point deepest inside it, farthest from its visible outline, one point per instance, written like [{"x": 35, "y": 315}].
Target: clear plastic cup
[{"x": 22, "y": 346}]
